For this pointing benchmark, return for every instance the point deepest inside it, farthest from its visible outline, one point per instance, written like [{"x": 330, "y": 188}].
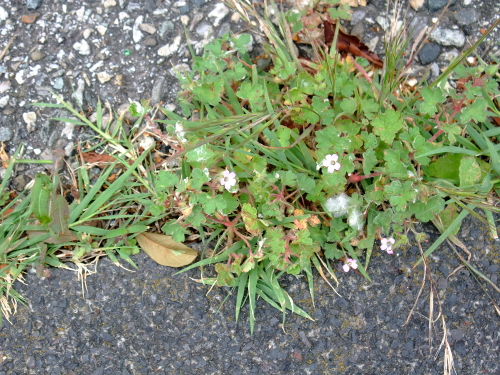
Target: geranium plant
[{"x": 310, "y": 161}]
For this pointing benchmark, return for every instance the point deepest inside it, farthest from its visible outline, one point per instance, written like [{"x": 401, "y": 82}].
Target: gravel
[{"x": 154, "y": 322}]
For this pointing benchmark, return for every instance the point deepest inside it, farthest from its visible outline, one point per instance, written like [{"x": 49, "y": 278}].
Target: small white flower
[
  {"x": 338, "y": 205},
  {"x": 350, "y": 263},
  {"x": 331, "y": 162},
  {"x": 386, "y": 245},
  {"x": 228, "y": 179}
]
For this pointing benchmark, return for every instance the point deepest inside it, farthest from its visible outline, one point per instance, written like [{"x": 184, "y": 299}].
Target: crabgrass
[{"x": 305, "y": 164}]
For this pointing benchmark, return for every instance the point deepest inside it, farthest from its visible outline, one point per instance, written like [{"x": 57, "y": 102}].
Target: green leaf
[
  {"x": 59, "y": 212},
  {"x": 446, "y": 167},
  {"x": 369, "y": 161},
  {"x": 349, "y": 105},
  {"x": 431, "y": 98},
  {"x": 166, "y": 179},
  {"x": 387, "y": 124},
  {"x": 475, "y": 111},
  {"x": 469, "y": 171},
  {"x": 209, "y": 93},
  {"x": 198, "y": 179},
  {"x": 424, "y": 211},
  {"x": 40, "y": 196},
  {"x": 249, "y": 215}
]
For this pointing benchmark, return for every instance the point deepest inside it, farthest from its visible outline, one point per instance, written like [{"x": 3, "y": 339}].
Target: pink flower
[
  {"x": 228, "y": 179},
  {"x": 331, "y": 161},
  {"x": 386, "y": 245},
  {"x": 350, "y": 263}
]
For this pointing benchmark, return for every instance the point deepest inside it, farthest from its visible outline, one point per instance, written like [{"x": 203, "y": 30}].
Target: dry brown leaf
[
  {"x": 350, "y": 44},
  {"x": 95, "y": 158},
  {"x": 165, "y": 251}
]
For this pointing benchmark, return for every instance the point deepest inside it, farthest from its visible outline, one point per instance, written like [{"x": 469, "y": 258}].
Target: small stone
[
  {"x": 101, "y": 30},
  {"x": 133, "y": 7},
  {"x": 224, "y": 28},
  {"x": 3, "y": 14},
  {"x": 412, "y": 82},
  {"x": 150, "y": 41},
  {"x": 358, "y": 30},
  {"x": 4, "y": 101},
  {"x": 170, "y": 49},
  {"x": 166, "y": 27},
  {"x": 87, "y": 32},
  {"x": 19, "y": 183},
  {"x": 429, "y": 53},
  {"x": 68, "y": 130},
  {"x": 29, "y": 18},
  {"x": 20, "y": 77},
  {"x": 435, "y": 5},
  {"x": 109, "y": 3},
  {"x": 357, "y": 16},
  {"x": 4, "y": 86},
  {"x": 6, "y": 134},
  {"x": 147, "y": 28},
  {"x": 36, "y": 55},
  {"x": 218, "y": 13},
  {"x": 466, "y": 17},
  {"x": 383, "y": 22},
  {"x": 157, "y": 90},
  {"x": 204, "y": 30},
  {"x": 33, "y": 4},
  {"x": 417, "y": 25},
  {"x": 82, "y": 48},
  {"x": 123, "y": 16},
  {"x": 417, "y": 4},
  {"x": 58, "y": 83},
  {"x": 447, "y": 37},
  {"x": 372, "y": 44},
  {"x": 450, "y": 55},
  {"x": 103, "y": 77},
  {"x": 435, "y": 70},
  {"x": 30, "y": 119},
  {"x": 235, "y": 17},
  {"x": 471, "y": 60},
  {"x": 120, "y": 80},
  {"x": 136, "y": 32},
  {"x": 198, "y": 3}
]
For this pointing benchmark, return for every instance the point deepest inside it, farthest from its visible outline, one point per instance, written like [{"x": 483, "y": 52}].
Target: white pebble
[
  {"x": 30, "y": 119},
  {"x": 170, "y": 49},
  {"x": 3, "y": 14},
  {"x": 4, "y": 101},
  {"x": 218, "y": 13},
  {"x": 136, "y": 32},
  {"x": 109, "y": 3},
  {"x": 101, "y": 29},
  {"x": 82, "y": 47}
]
